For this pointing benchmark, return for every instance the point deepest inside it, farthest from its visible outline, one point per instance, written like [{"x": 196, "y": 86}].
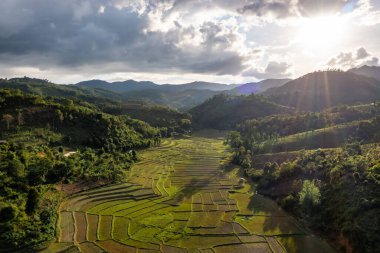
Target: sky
[{"x": 178, "y": 41}]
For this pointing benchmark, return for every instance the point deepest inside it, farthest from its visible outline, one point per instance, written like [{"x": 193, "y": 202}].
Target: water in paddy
[{"x": 180, "y": 198}]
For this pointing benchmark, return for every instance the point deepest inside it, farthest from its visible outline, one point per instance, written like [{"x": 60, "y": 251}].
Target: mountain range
[
  {"x": 180, "y": 96},
  {"x": 318, "y": 90},
  {"x": 311, "y": 92},
  {"x": 132, "y": 85}
]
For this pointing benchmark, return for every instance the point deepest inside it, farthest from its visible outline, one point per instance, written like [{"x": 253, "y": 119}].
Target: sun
[{"x": 321, "y": 33}]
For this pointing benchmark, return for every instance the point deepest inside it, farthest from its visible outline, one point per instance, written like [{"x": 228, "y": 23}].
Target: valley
[
  {"x": 182, "y": 197},
  {"x": 183, "y": 126}
]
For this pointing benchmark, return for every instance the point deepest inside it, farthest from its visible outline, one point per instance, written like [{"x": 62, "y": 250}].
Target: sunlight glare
[{"x": 321, "y": 33}]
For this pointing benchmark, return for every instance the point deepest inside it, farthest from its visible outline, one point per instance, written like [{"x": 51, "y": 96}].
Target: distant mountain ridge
[
  {"x": 370, "y": 71},
  {"x": 318, "y": 90},
  {"x": 258, "y": 87},
  {"x": 132, "y": 85}
]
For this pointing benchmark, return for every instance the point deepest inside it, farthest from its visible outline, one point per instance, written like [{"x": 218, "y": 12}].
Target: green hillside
[
  {"x": 225, "y": 111},
  {"x": 320, "y": 166},
  {"x": 320, "y": 90}
]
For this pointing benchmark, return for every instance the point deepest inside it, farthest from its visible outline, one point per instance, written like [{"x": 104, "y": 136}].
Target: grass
[
  {"x": 120, "y": 228},
  {"x": 177, "y": 199}
]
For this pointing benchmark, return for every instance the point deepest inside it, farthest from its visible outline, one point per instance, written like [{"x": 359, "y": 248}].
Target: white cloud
[
  {"x": 357, "y": 58},
  {"x": 273, "y": 70}
]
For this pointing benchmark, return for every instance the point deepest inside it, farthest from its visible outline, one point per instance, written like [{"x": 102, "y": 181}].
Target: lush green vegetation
[
  {"x": 176, "y": 200},
  {"x": 29, "y": 199},
  {"x": 79, "y": 124},
  {"x": 333, "y": 191},
  {"x": 46, "y": 88},
  {"x": 168, "y": 120},
  {"x": 327, "y": 129},
  {"x": 322, "y": 166},
  {"x": 225, "y": 111},
  {"x": 49, "y": 141},
  {"x": 289, "y": 124}
]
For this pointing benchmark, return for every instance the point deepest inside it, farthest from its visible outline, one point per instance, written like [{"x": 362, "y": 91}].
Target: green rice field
[{"x": 180, "y": 198}]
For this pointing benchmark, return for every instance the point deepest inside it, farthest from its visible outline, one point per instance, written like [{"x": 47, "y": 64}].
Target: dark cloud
[
  {"x": 358, "y": 58},
  {"x": 73, "y": 33},
  {"x": 273, "y": 70},
  {"x": 288, "y": 8},
  {"x": 260, "y": 8},
  {"x": 315, "y": 7}
]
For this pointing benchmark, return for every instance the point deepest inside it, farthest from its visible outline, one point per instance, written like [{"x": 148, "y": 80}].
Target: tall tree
[{"x": 8, "y": 119}]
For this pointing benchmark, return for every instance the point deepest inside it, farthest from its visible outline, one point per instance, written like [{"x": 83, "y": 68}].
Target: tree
[
  {"x": 7, "y": 213},
  {"x": 8, "y": 119},
  {"x": 33, "y": 201},
  {"x": 20, "y": 118},
  {"x": 234, "y": 140},
  {"x": 310, "y": 196},
  {"x": 59, "y": 116},
  {"x": 16, "y": 169},
  {"x": 185, "y": 124}
]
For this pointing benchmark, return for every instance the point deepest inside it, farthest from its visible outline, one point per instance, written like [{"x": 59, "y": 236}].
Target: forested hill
[
  {"x": 46, "y": 88},
  {"x": 323, "y": 167},
  {"x": 319, "y": 90},
  {"x": 78, "y": 123},
  {"x": 46, "y": 141},
  {"x": 225, "y": 111},
  {"x": 107, "y": 101}
]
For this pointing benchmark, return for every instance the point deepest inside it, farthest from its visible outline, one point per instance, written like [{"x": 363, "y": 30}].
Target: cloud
[
  {"x": 208, "y": 37},
  {"x": 348, "y": 60},
  {"x": 289, "y": 8},
  {"x": 74, "y": 33},
  {"x": 262, "y": 8},
  {"x": 316, "y": 7},
  {"x": 273, "y": 70}
]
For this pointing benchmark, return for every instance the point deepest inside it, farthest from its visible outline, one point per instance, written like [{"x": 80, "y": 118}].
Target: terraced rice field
[{"x": 179, "y": 199}]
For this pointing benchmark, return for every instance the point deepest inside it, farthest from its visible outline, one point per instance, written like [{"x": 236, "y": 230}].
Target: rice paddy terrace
[{"x": 179, "y": 199}]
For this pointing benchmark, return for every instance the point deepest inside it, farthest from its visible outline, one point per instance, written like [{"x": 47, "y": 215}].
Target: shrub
[{"x": 8, "y": 213}]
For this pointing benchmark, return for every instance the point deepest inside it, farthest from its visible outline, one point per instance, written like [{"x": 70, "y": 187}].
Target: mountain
[
  {"x": 125, "y": 86},
  {"x": 182, "y": 100},
  {"x": 225, "y": 111},
  {"x": 323, "y": 89},
  {"x": 183, "y": 97},
  {"x": 199, "y": 86},
  {"x": 99, "y": 99},
  {"x": 132, "y": 85},
  {"x": 180, "y": 96},
  {"x": 370, "y": 71},
  {"x": 46, "y": 88},
  {"x": 258, "y": 87}
]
